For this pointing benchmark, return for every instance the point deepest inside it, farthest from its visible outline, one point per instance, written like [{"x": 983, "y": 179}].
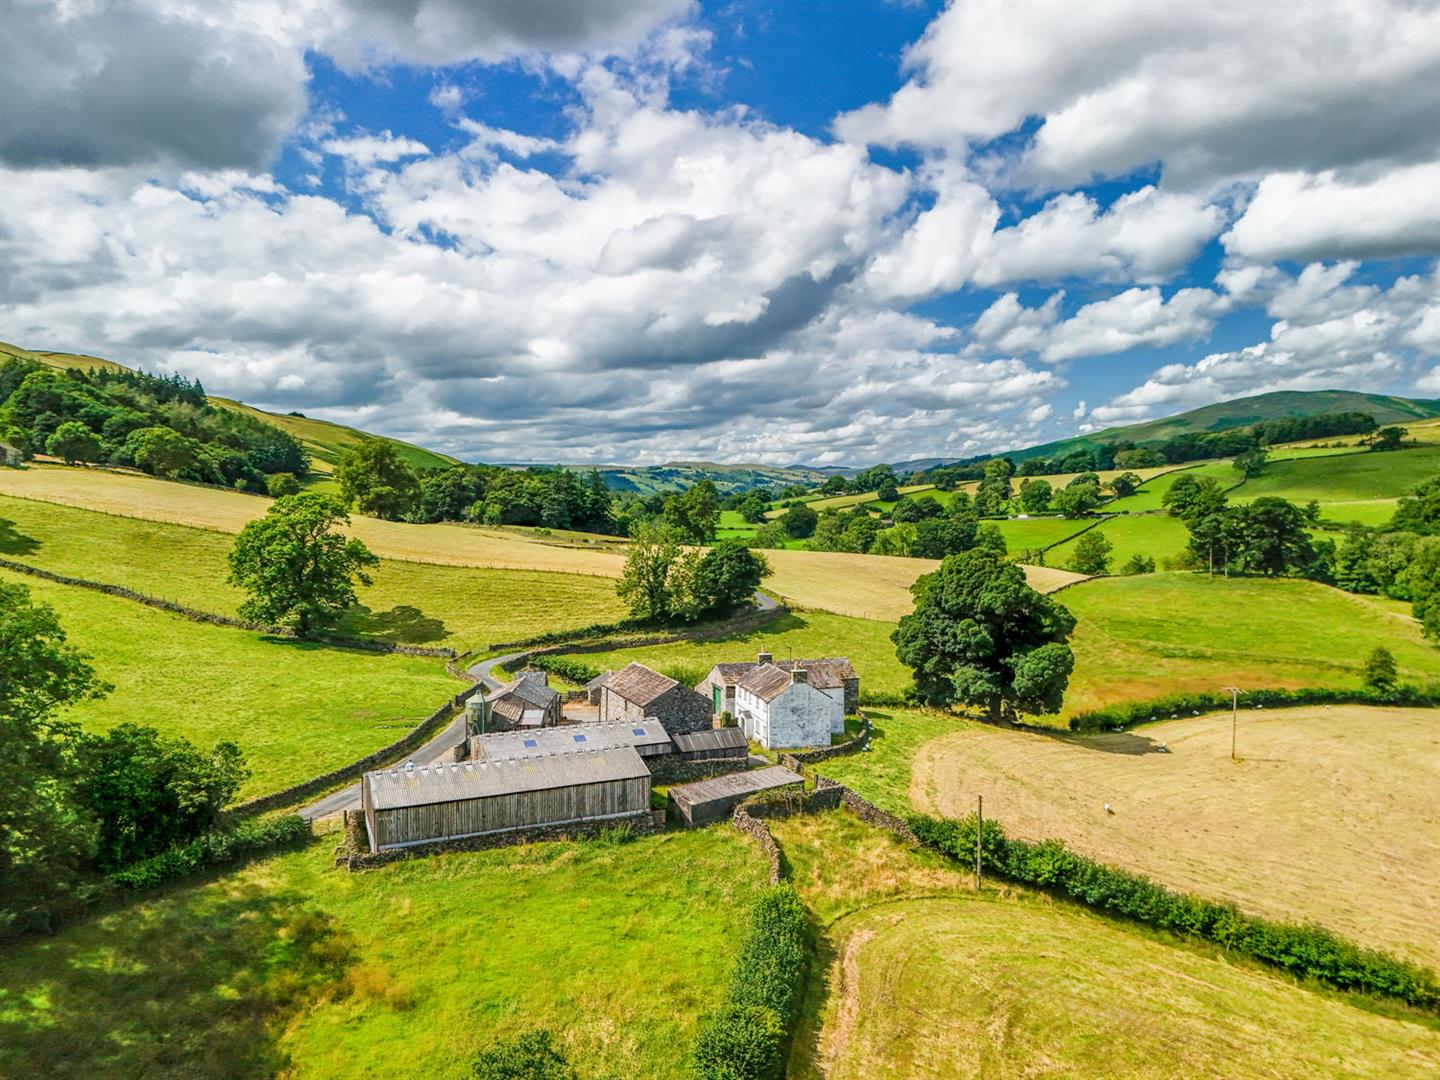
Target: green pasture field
[
  {"x": 296, "y": 710},
  {"x": 291, "y": 967},
  {"x": 917, "y": 975},
  {"x": 416, "y": 603},
  {"x": 1297, "y": 451},
  {"x": 1036, "y": 532},
  {"x": 1150, "y": 495},
  {"x": 1158, "y": 536},
  {"x": 1345, "y": 478},
  {"x": 840, "y": 502},
  {"x": 798, "y": 633}
]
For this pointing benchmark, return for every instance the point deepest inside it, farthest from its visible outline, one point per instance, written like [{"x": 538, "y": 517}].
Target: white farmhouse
[{"x": 779, "y": 708}]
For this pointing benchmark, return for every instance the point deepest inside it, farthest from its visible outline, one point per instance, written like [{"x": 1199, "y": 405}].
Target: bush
[
  {"x": 1309, "y": 951},
  {"x": 530, "y": 1056},
  {"x": 745, "y": 1039},
  {"x": 1138, "y": 564},
  {"x": 566, "y": 667},
  {"x": 1120, "y": 717},
  {"x": 213, "y": 848}
]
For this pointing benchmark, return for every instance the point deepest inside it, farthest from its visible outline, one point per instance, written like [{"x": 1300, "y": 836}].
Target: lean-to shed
[
  {"x": 419, "y": 804},
  {"x": 707, "y": 801},
  {"x": 717, "y": 744}
]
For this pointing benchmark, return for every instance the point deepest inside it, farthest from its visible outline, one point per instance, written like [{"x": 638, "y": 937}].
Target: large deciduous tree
[
  {"x": 981, "y": 636},
  {"x": 375, "y": 479},
  {"x": 728, "y": 575},
  {"x": 299, "y": 572},
  {"x": 645, "y": 582},
  {"x": 73, "y": 442},
  {"x": 695, "y": 512}
]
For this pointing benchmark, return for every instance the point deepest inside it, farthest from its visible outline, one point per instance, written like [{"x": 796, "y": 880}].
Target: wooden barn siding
[{"x": 469, "y": 817}]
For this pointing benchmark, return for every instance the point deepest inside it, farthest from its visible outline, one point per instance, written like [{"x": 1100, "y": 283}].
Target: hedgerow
[
  {"x": 1303, "y": 950},
  {"x": 566, "y": 667},
  {"x": 1119, "y": 717},
  {"x": 213, "y": 848},
  {"x": 745, "y": 1039}
]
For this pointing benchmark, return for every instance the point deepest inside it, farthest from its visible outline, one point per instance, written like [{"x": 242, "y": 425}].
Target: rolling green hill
[
  {"x": 679, "y": 475},
  {"x": 323, "y": 441}
]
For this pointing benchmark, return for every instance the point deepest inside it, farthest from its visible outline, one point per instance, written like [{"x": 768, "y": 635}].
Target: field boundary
[
  {"x": 1125, "y": 717},
  {"x": 195, "y": 615}
]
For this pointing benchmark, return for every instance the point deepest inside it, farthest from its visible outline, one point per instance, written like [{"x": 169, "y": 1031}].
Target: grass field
[
  {"x": 416, "y": 603},
  {"x": 1142, "y": 637},
  {"x": 296, "y": 710},
  {"x": 293, "y": 968},
  {"x": 1036, "y": 532},
  {"x": 1320, "y": 796},
  {"x": 842, "y": 502},
  {"x": 1356, "y": 487},
  {"x": 1151, "y": 494},
  {"x": 1158, "y": 536},
  {"x": 919, "y": 976}
]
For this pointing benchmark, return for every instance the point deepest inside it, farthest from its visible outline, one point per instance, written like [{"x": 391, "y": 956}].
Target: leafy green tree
[
  {"x": 771, "y": 535},
  {"x": 162, "y": 451},
  {"x": 1388, "y": 438},
  {"x": 281, "y": 484},
  {"x": 829, "y": 530},
  {"x": 994, "y": 490},
  {"x": 1035, "y": 496},
  {"x": 1252, "y": 462},
  {"x": 375, "y": 479},
  {"x": 645, "y": 583},
  {"x": 447, "y": 494},
  {"x": 73, "y": 442},
  {"x": 1273, "y": 537},
  {"x": 299, "y": 572},
  {"x": 1380, "y": 670},
  {"x": 800, "y": 521},
  {"x": 1076, "y": 500},
  {"x": 1125, "y": 484},
  {"x": 695, "y": 512},
  {"x": 1423, "y": 584},
  {"x": 936, "y": 538},
  {"x": 728, "y": 575},
  {"x": 1138, "y": 564},
  {"x": 531, "y": 1055},
  {"x": 861, "y": 529},
  {"x": 833, "y": 485},
  {"x": 44, "y": 837},
  {"x": 1191, "y": 498},
  {"x": 981, "y": 636},
  {"x": 1092, "y": 553},
  {"x": 148, "y": 791},
  {"x": 888, "y": 491},
  {"x": 1215, "y": 538},
  {"x": 897, "y": 540},
  {"x": 752, "y": 510},
  {"x": 1419, "y": 512}
]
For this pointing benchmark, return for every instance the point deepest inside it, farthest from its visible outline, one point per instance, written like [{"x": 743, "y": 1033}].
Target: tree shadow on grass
[
  {"x": 1111, "y": 742},
  {"x": 804, "y": 1058},
  {"x": 403, "y": 623},
  {"x": 193, "y": 983},
  {"x": 14, "y": 542}
]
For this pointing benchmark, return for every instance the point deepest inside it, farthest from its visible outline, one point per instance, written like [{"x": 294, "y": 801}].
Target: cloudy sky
[{"x": 761, "y": 230}]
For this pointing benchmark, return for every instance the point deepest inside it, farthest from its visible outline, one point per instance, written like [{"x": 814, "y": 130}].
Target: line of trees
[{"x": 163, "y": 425}]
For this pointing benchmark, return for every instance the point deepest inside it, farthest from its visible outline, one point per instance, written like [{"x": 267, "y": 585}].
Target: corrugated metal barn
[
  {"x": 421, "y": 804},
  {"x": 706, "y": 801},
  {"x": 717, "y": 744},
  {"x": 648, "y": 737}
]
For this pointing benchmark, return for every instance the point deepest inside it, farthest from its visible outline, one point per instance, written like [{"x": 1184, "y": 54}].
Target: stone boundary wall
[
  {"x": 810, "y": 757},
  {"x": 670, "y": 769},
  {"x": 413, "y": 739},
  {"x": 360, "y": 857},
  {"x": 747, "y": 823},
  {"x": 220, "y": 620}
]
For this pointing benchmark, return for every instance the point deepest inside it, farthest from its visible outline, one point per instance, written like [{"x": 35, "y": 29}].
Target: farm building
[
  {"x": 528, "y": 702},
  {"x": 776, "y": 707},
  {"x": 635, "y": 693},
  {"x": 422, "y": 804},
  {"x": 592, "y": 688},
  {"x": 717, "y": 744},
  {"x": 707, "y": 801},
  {"x": 833, "y": 675},
  {"x": 648, "y": 738}
]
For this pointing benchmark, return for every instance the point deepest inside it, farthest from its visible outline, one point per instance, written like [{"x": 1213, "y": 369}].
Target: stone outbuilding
[
  {"x": 779, "y": 708},
  {"x": 527, "y": 702},
  {"x": 707, "y": 801},
  {"x": 833, "y": 675},
  {"x": 635, "y": 692}
]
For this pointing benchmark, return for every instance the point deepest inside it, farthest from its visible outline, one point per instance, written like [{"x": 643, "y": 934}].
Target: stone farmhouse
[
  {"x": 833, "y": 675},
  {"x": 635, "y": 692},
  {"x": 780, "y": 708}
]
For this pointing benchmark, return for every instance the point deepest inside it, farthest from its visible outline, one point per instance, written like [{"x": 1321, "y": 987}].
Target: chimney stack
[
  {"x": 799, "y": 674},
  {"x": 765, "y": 658}
]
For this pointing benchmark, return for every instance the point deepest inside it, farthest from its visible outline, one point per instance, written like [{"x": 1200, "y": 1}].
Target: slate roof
[
  {"x": 424, "y": 785},
  {"x": 766, "y": 681},
  {"x": 504, "y": 746},
  {"x": 734, "y": 784},
  {"x": 725, "y": 738},
  {"x": 637, "y": 684},
  {"x": 826, "y": 673}
]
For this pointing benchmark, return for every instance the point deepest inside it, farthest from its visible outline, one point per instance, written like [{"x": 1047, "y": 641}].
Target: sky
[{"x": 782, "y": 232}]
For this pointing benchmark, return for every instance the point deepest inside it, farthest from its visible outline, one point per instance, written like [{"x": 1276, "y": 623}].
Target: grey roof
[
  {"x": 825, "y": 673},
  {"x": 636, "y": 683},
  {"x": 767, "y": 682},
  {"x": 528, "y": 688},
  {"x": 725, "y": 738},
  {"x": 599, "y": 680},
  {"x": 564, "y": 738},
  {"x": 423, "y": 785},
  {"x": 734, "y": 784}
]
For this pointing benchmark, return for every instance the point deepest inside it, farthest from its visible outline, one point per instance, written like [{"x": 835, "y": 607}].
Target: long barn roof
[
  {"x": 424, "y": 785},
  {"x": 740, "y": 783},
  {"x": 567, "y": 737}
]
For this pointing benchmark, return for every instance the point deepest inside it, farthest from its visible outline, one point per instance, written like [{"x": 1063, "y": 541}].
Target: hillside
[
  {"x": 323, "y": 441},
  {"x": 679, "y": 475}
]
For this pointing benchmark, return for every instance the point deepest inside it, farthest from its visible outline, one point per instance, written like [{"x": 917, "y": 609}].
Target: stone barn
[
  {"x": 707, "y": 801},
  {"x": 635, "y": 692},
  {"x": 527, "y": 702},
  {"x": 422, "y": 804}
]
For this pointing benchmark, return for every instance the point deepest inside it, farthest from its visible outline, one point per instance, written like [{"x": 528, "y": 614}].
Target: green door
[{"x": 718, "y": 692}]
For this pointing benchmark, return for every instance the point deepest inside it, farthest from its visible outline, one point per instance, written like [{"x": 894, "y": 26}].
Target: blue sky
[{"x": 650, "y": 229}]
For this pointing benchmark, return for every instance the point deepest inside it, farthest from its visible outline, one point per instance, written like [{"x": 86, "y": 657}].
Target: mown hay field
[
  {"x": 1330, "y": 814},
  {"x": 919, "y": 976},
  {"x": 296, "y": 710},
  {"x": 290, "y": 967},
  {"x": 415, "y": 603}
]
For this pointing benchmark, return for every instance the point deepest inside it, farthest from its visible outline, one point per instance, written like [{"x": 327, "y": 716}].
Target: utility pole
[
  {"x": 1234, "y": 692},
  {"x": 979, "y": 831}
]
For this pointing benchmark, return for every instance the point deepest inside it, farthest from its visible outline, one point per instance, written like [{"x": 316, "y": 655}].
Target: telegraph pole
[
  {"x": 979, "y": 831},
  {"x": 1234, "y": 692}
]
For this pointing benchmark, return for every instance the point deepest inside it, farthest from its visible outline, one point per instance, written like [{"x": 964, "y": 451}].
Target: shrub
[
  {"x": 213, "y": 848},
  {"x": 566, "y": 667},
  {"x": 1309, "y": 951},
  {"x": 745, "y": 1039},
  {"x": 529, "y": 1056},
  {"x": 1138, "y": 564}
]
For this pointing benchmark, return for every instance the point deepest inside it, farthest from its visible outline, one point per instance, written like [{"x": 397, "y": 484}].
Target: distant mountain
[
  {"x": 1240, "y": 412},
  {"x": 678, "y": 475},
  {"x": 323, "y": 441}
]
